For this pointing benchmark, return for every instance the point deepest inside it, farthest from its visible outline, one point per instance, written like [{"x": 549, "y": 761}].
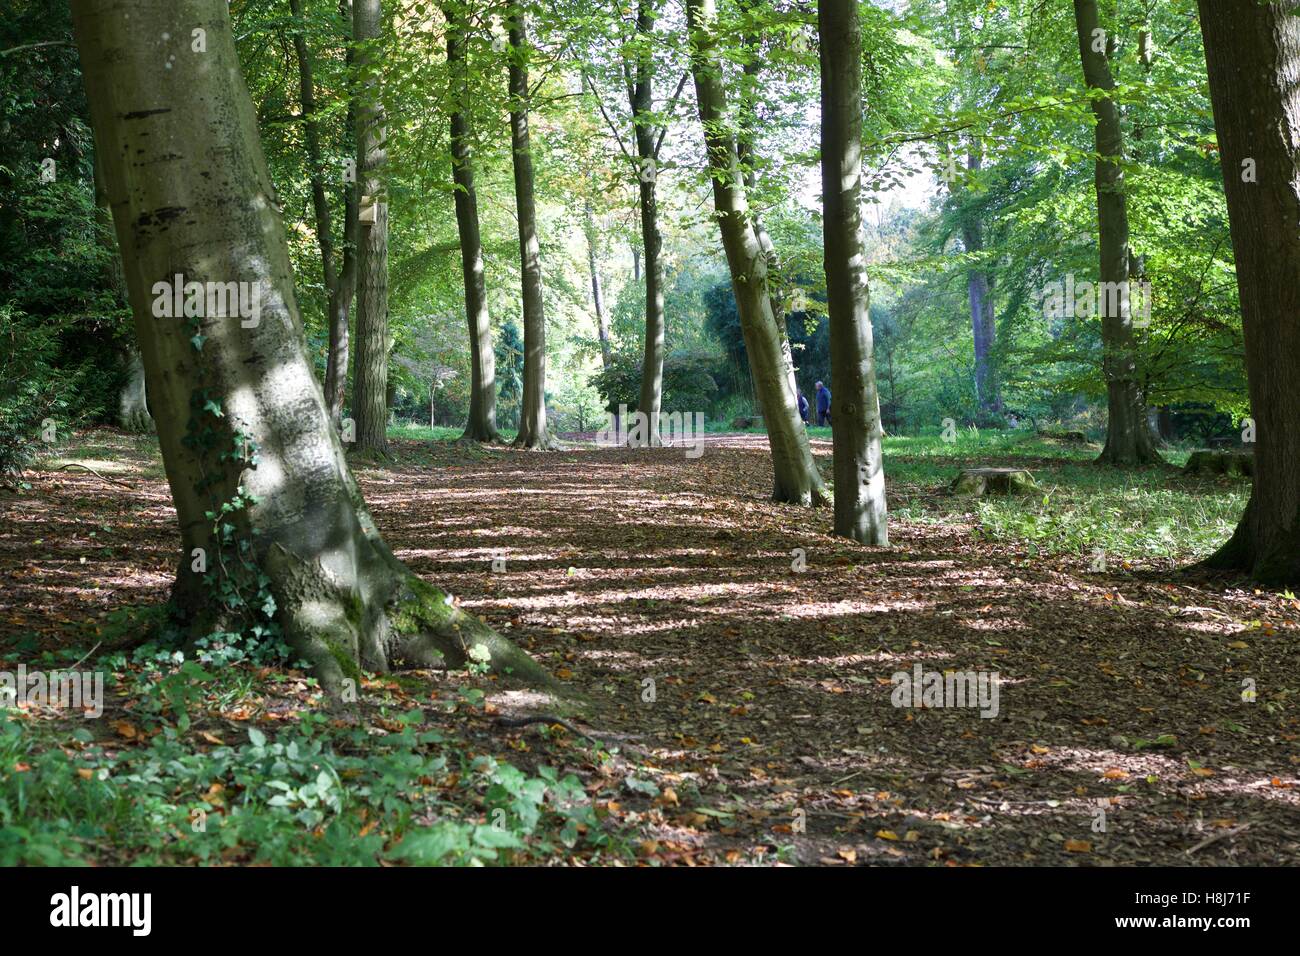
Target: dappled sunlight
[{"x": 780, "y": 681}]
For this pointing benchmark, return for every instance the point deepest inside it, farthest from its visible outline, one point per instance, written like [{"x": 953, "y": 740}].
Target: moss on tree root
[{"x": 431, "y": 629}]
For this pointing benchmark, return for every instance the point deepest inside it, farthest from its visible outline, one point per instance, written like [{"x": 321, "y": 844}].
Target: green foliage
[
  {"x": 688, "y": 383},
  {"x": 35, "y": 394},
  {"x": 313, "y": 795},
  {"x": 1086, "y": 508}
]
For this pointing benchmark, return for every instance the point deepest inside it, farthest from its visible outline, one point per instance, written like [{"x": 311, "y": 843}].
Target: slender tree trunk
[
  {"x": 747, "y": 153},
  {"x": 597, "y": 298},
  {"x": 979, "y": 288},
  {"x": 1252, "y": 51},
  {"x": 860, "y": 510},
  {"x": 636, "y": 264},
  {"x": 132, "y": 401},
  {"x": 341, "y": 597},
  {"x": 338, "y": 285},
  {"x": 1128, "y": 440},
  {"x": 796, "y": 477},
  {"x": 642, "y": 102},
  {"x": 482, "y": 422},
  {"x": 370, "y": 378},
  {"x": 533, "y": 432}
]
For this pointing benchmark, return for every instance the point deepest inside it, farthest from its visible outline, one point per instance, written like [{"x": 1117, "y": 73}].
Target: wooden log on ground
[
  {"x": 1066, "y": 436},
  {"x": 1215, "y": 463},
  {"x": 994, "y": 481}
]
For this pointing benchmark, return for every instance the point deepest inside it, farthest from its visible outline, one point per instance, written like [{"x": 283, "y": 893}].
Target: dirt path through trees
[{"x": 758, "y": 698}]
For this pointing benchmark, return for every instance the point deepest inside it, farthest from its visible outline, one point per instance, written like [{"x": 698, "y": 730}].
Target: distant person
[
  {"x": 823, "y": 404},
  {"x": 803, "y": 407}
]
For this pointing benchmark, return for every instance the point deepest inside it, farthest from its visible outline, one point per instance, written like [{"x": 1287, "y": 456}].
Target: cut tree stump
[
  {"x": 1210, "y": 463},
  {"x": 994, "y": 481}
]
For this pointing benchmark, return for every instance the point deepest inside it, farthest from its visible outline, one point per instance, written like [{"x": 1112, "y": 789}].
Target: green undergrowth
[
  {"x": 167, "y": 776},
  {"x": 1085, "y": 508}
]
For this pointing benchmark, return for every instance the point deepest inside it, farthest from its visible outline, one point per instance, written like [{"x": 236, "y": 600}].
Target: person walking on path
[{"x": 823, "y": 404}]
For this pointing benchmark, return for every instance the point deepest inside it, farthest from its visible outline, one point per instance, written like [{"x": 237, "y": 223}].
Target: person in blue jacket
[
  {"x": 823, "y": 404},
  {"x": 803, "y": 407}
]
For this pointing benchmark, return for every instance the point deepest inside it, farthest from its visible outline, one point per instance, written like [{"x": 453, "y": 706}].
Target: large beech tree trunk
[
  {"x": 1252, "y": 51},
  {"x": 533, "y": 432},
  {"x": 239, "y": 412},
  {"x": 339, "y": 284},
  {"x": 796, "y": 477},
  {"x": 482, "y": 422},
  {"x": 860, "y": 510},
  {"x": 370, "y": 377},
  {"x": 641, "y": 94},
  {"x": 1128, "y": 439}
]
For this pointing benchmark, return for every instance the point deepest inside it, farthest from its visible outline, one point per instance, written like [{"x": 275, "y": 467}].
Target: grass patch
[{"x": 1085, "y": 507}]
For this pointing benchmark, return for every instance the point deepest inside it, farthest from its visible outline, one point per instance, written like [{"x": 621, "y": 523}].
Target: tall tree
[
  {"x": 796, "y": 477},
  {"x": 641, "y": 96},
  {"x": 533, "y": 432},
  {"x": 597, "y": 294},
  {"x": 747, "y": 153},
  {"x": 1252, "y": 51},
  {"x": 241, "y": 417},
  {"x": 482, "y": 422},
  {"x": 370, "y": 378},
  {"x": 860, "y": 509},
  {"x": 340, "y": 284},
  {"x": 1128, "y": 436},
  {"x": 979, "y": 293}
]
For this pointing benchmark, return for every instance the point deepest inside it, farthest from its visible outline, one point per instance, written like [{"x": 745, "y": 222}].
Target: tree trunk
[
  {"x": 533, "y": 432},
  {"x": 370, "y": 377},
  {"x": 860, "y": 510},
  {"x": 133, "y": 400},
  {"x": 597, "y": 298},
  {"x": 979, "y": 288},
  {"x": 796, "y": 477},
  {"x": 1128, "y": 441},
  {"x": 482, "y": 422},
  {"x": 747, "y": 154},
  {"x": 1252, "y": 51},
  {"x": 642, "y": 102},
  {"x": 241, "y": 417},
  {"x": 339, "y": 285}
]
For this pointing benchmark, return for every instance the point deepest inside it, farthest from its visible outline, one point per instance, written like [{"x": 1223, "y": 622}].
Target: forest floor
[{"x": 737, "y": 661}]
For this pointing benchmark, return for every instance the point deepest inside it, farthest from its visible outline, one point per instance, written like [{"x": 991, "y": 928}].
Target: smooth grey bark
[
  {"x": 133, "y": 400},
  {"x": 979, "y": 291},
  {"x": 191, "y": 195},
  {"x": 370, "y": 376},
  {"x": 860, "y": 509},
  {"x": 339, "y": 283},
  {"x": 641, "y": 97},
  {"x": 1252, "y": 52},
  {"x": 533, "y": 432},
  {"x": 597, "y": 295},
  {"x": 796, "y": 479},
  {"x": 747, "y": 154},
  {"x": 1128, "y": 440},
  {"x": 482, "y": 422}
]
